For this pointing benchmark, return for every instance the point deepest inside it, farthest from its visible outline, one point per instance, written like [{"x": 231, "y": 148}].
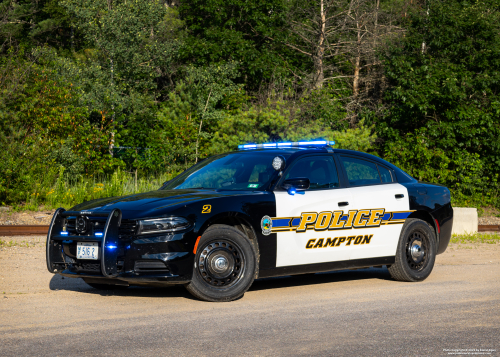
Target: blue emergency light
[{"x": 286, "y": 144}]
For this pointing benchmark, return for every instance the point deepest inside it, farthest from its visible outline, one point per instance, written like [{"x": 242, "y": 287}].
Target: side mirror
[{"x": 296, "y": 185}]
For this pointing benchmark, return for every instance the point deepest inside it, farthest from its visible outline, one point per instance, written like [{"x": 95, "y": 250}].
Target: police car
[{"x": 266, "y": 210}]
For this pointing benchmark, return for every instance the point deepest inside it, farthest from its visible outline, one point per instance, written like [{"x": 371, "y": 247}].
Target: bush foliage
[{"x": 109, "y": 98}]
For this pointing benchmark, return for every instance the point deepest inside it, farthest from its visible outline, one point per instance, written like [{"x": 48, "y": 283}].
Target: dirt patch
[
  {"x": 26, "y": 218},
  {"x": 456, "y": 307},
  {"x": 23, "y": 268}
]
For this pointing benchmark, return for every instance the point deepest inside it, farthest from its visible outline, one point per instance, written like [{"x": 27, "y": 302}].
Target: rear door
[
  {"x": 382, "y": 207},
  {"x": 304, "y": 223}
]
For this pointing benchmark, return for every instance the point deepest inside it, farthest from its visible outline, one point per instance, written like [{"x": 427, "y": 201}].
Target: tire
[
  {"x": 107, "y": 286},
  {"x": 416, "y": 252},
  {"x": 225, "y": 265}
]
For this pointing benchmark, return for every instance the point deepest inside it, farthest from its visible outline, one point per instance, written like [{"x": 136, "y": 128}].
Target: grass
[
  {"x": 7, "y": 244},
  {"x": 489, "y": 238},
  {"x": 68, "y": 192},
  {"x": 16, "y": 244}
]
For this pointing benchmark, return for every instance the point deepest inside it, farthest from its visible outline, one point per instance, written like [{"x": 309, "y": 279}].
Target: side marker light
[
  {"x": 196, "y": 245},
  {"x": 437, "y": 225}
]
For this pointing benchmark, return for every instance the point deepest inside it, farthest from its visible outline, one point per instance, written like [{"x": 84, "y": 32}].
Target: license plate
[{"x": 87, "y": 250}]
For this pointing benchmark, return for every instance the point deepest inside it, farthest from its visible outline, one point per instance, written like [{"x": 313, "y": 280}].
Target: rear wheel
[
  {"x": 416, "y": 252},
  {"x": 225, "y": 265}
]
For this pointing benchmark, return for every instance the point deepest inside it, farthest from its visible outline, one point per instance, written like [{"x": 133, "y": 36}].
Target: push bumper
[{"x": 118, "y": 259}]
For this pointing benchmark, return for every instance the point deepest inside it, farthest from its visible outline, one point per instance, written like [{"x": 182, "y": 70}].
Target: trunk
[
  {"x": 355, "y": 83},
  {"x": 319, "y": 75},
  {"x": 135, "y": 180},
  {"x": 375, "y": 30},
  {"x": 320, "y": 52},
  {"x": 199, "y": 129},
  {"x": 112, "y": 140}
]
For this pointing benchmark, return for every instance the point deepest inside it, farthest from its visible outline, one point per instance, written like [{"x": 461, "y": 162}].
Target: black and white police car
[{"x": 266, "y": 210}]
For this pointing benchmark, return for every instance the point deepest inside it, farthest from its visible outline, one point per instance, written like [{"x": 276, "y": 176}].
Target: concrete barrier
[{"x": 464, "y": 220}]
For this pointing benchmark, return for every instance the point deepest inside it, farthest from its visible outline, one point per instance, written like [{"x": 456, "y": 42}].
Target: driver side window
[{"x": 320, "y": 170}]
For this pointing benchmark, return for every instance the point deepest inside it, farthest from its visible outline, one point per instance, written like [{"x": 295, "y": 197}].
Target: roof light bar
[{"x": 286, "y": 144}]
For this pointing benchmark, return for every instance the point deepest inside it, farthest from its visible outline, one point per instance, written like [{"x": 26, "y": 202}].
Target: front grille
[
  {"x": 127, "y": 227},
  {"x": 96, "y": 225},
  {"x": 71, "y": 225},
  {"x": 91, "y": 267},
  {"x": 147, "y": 266}
]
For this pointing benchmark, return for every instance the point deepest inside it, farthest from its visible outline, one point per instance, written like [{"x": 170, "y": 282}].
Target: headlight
[{"x": 158, "y": 225}]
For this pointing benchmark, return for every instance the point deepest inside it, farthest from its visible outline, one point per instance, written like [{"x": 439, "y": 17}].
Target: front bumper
[{"x": 166, "y": 259}]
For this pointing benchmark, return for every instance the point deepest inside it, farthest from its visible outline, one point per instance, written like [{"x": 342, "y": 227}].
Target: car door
[
  {"x": 303, "y": 221},
  {"x": 382, "y": 207}
]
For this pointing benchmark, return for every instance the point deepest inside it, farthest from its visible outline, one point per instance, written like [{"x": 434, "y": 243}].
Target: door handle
[
  {"x": 400, "y": 195},
  {"x": 341, "y": 204}
]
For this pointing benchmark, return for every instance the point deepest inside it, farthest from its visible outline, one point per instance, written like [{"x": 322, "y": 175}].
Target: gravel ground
[
  {"x": 22, "y": 218},
  {"x": 344, "y": 313},
  {"x": 489, "y": 220}
]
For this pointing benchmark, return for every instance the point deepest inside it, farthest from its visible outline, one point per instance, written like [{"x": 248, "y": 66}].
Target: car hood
[{"x": 152, "y": 203}]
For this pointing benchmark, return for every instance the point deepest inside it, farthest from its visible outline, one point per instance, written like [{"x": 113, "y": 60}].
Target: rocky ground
[
  {"x": 7, "y": 217},
  {"x": 491, "y": 220}
]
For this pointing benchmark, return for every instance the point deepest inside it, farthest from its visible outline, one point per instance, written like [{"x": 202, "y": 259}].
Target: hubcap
[
  {"x": 221, "y": 263},
  {"x": 416, "y": 250}
]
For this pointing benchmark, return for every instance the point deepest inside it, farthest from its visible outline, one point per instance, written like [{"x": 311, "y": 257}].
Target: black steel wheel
[
  {"x": 221, "y": 263},
  {"x": 225, "y": 265},
  {"x": 416, "y": 252}
]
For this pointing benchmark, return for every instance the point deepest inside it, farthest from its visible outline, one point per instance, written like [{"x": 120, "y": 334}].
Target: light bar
[
  {"x": 98, "y": 234},
  {"x": 286, "y": 144},
  {"x": 64, "y": 233}
]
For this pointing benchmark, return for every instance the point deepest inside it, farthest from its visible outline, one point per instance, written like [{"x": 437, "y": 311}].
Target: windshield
[{"x": 234, "y": 171}]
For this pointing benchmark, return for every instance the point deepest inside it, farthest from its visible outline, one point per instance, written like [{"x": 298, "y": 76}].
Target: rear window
[{"x": 385, "y": 174}]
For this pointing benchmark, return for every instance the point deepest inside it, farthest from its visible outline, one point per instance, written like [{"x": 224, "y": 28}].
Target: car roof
[
  {"x": 316, "y": 150},
  {"x": 295, "y": 152}
]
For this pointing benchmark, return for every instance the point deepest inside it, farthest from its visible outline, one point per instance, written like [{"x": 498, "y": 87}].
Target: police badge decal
[{"x": 267, "y": 225}]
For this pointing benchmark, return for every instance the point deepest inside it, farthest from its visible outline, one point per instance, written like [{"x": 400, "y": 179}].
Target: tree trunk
[
  {"x": 357, "y": 60},
  {"x": 201, "y": 123},
  {"x": 320, "y": 51}
]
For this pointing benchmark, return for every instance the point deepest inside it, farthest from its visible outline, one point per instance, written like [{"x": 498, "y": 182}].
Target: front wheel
[
  {"x": 225, "y": 265},
  {"x": 416, "y": 252}
]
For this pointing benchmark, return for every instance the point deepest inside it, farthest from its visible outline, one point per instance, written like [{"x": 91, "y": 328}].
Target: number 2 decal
[{"x": 207, "y": 209}]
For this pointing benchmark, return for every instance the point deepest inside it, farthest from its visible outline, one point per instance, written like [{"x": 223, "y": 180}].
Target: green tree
[
  {"x": 187, "y": 121},
  {"x": 125, "y": 72},
  {"x": 237, "y": 30},
  {"x": 32, "y": 23},
  {"x": 276, "y": 122},
  {"x": 444, "y": 77}
]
